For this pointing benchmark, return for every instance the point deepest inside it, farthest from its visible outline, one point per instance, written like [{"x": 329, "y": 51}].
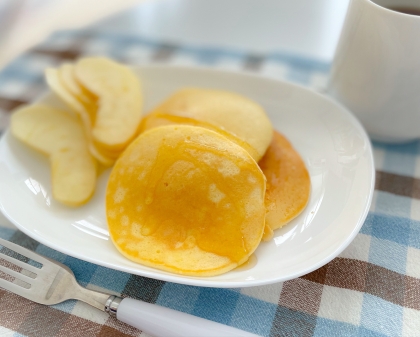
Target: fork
[{"x": 54, "y": 282}]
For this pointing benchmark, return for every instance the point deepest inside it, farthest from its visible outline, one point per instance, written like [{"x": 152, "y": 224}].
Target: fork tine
[
  {"x": 14, "y": 288},
  {"x": 16, "y": 274},
  {"x": 20, "y": 264},
  {"x": 25, "y": 252}
]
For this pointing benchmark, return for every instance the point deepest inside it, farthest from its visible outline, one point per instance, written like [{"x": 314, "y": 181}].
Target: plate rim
[{"x": 207, "y": 282}]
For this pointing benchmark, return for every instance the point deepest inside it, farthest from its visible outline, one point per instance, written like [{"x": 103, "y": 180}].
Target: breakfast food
[
  {"x": 84, "y": 111},
  {"x": 245, "y": 123},
  {"x": 238, "y": 118},
  {"x": 197, "y": 183},
  {"x": 288, "y": 182},
  {"x": 107, "y": 97},
  {"x": 120, "y": 100},
  {"x": 68, "y": 78},
  {"x": 185, "y": 199},
  {"x": 60, "y": 136}
]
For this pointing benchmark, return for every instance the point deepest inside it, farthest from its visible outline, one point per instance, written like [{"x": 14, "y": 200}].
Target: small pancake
[
  {"x": 186, "y": 200},
  {"x": 288, "y": 183},
  {"x": 238, "y": 118}
]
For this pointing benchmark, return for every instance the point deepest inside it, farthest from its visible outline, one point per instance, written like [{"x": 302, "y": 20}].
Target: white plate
[{"x": 331, "y": 141}]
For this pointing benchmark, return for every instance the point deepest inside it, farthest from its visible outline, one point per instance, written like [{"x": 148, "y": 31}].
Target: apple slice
[
  {"x": 66, "y": 74},
  {"x": 56, "y": 85},
  {"x": 119, "y": 101},
  {"x": 60, "y": 136},
  {"x": 102, "y": 158},
  {"x": 85, "y": 111}
]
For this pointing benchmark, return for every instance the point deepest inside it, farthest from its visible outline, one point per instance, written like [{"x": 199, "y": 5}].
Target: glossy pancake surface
[
  {"x": 288, "y": 182},
  {"x": 238, "y": 118},
  {"x": 186, "y": 200}
]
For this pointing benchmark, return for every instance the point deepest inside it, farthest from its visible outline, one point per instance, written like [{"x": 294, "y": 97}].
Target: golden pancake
[
  {"x": 186, "y": 200},
  {"x": 288, "y": 183},
  {"x": 238, "y": 118}
]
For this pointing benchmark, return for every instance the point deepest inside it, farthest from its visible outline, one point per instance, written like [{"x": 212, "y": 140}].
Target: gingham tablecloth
[{"x": 371, "y": 289}]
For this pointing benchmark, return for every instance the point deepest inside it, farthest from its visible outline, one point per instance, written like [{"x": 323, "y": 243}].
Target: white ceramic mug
[{"x": 376, "y": 70}]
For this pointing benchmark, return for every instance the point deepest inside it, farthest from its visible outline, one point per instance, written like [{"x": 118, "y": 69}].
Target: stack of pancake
[{"x": 203, "y": 184}]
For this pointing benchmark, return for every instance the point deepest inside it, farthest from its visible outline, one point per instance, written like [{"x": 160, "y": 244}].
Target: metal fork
[{"x": 54, "y": 283}]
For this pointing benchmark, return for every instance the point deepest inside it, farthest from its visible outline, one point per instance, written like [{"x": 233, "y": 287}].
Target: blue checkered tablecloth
[{"x": 371, "y": 289}]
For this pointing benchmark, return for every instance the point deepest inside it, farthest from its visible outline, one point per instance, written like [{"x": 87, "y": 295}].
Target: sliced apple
[
  {"x": 52, "y": 77},
  {"x": 67, "y": 76},
  {"x": 86, "y": 112},
  {"x": 102, "y": 158},
  {"x": 119, "y": 101},
  {"x": 60, "y": 136}
]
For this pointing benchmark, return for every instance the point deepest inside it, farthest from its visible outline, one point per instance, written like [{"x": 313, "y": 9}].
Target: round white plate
[{"x": 331, "y": 141}]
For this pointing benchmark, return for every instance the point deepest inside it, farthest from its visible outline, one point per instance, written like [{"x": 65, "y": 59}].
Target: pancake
[
  {"x": 238, "y": 118},
  {"x": 288, "y": 183},
  {"x": 187, "y": 200}
]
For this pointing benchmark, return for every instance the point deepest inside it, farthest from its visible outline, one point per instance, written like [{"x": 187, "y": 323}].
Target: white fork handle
[{"x": 164, "y": 322}]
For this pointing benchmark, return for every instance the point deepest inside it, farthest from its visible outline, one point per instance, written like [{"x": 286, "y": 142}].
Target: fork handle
[{"x": 159, "y": 321}]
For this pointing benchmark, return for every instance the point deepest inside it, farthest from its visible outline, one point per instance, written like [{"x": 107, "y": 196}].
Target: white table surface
[{"x": 304, "y": 27}]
